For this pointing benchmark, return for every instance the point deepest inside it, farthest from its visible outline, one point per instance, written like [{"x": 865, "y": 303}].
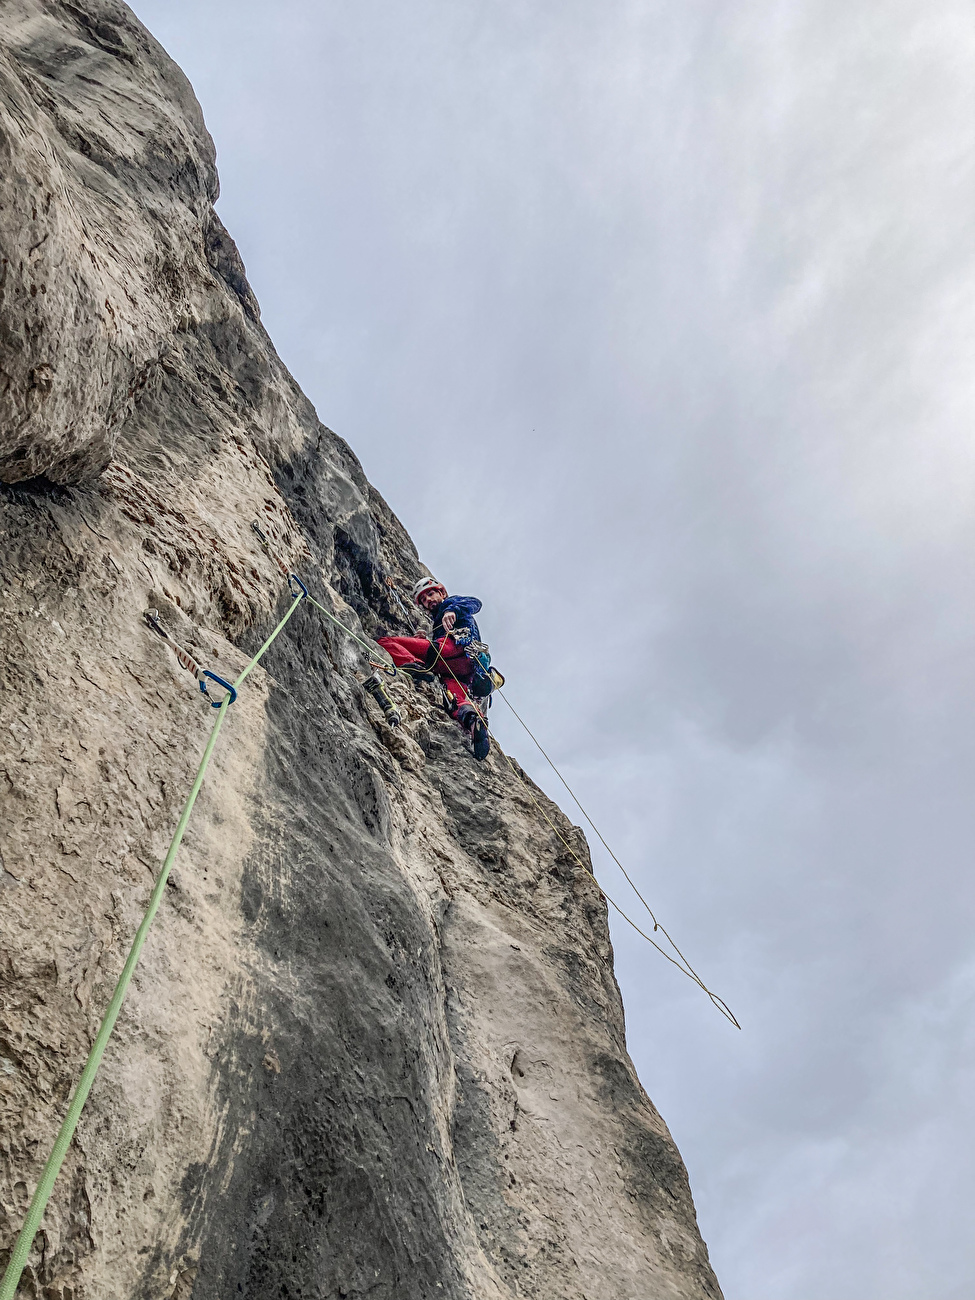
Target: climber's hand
[{"x": 449, "y": 619}]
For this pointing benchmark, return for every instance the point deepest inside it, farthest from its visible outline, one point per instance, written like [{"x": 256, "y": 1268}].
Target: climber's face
[{"x": 432, "y": 597}]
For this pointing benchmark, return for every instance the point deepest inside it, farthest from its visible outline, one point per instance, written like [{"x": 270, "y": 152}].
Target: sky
[{"x": 653, "y": 322}]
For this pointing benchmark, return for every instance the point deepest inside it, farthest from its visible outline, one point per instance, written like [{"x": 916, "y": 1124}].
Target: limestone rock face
[{"x": 375, "y": 1045}]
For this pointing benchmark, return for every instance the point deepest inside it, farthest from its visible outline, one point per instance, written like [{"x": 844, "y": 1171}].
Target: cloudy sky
[{"x": 653, "y": 322}]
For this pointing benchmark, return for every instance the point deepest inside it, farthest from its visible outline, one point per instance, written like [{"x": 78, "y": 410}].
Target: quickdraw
[
  {"x": 375, "y": 688},
  {"x": 294, "y": 580},
  {"x": 390, "y": 583},
  {"x": 270, "y": 552},
  {"x": 186, "y": 660}
]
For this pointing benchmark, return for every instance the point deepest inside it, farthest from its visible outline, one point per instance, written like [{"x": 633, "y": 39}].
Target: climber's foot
[
  {"x": 417, "y": 672},
  {"x": 473, "y": 723},
  {"x": 481, "y": 741}
]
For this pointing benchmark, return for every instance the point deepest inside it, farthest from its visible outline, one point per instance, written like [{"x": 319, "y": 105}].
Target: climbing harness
[{"x": 483, "y": 680}]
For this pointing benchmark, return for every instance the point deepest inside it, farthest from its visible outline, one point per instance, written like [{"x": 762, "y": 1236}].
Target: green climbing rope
[{"x": 25, "y": 1238}]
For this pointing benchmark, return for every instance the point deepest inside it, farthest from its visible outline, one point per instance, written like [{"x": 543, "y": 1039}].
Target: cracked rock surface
[{"x": 375, "y": 1045}]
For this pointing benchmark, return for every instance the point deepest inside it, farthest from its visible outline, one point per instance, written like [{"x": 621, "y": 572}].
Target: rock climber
[{"x": 446, "y": 657}]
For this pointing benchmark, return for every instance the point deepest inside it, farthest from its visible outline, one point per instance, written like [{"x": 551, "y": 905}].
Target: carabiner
[
  {"x": 388, "y": 669},
  {"x": 293, "y": 577},
  {"x": 151, "y": 617},
  {"x": 220, "y": 682}
]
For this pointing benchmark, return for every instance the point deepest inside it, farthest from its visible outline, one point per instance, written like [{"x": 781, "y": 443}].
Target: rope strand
[
  {"x": 683, "y": 965},
  {"x": 681, "y": 962},
  {"x": 686, "y": 966}
]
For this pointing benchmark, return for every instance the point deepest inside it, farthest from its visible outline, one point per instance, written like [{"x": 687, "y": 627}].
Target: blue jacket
[{"x": 465, "y": 607}]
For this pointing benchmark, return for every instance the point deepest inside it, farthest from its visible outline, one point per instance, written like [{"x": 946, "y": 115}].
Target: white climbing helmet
[{"x": 423, "y": 585}]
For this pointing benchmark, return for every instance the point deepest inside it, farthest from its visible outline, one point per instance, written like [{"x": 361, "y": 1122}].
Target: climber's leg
[
  {"x": 405, "y": 649},
  {"x": 420, "y": 659},
  {"x": 469, "y": 717},
  {"x": 457, "y": 691},
  {"x": 451, "y": 661}
]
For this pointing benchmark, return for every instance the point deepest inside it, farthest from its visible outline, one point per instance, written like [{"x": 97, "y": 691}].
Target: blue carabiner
[
  {"x": 293, "y": 577},
  {"x": 220, "y": 682}
]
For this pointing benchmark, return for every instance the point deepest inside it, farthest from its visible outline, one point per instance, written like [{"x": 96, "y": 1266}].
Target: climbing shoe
[
  {"x": 391, "y": 713},
  {"x": 417, "y": 672},
  {"x": 480, "y": 740},
  {"x": 471, "y": 721}
]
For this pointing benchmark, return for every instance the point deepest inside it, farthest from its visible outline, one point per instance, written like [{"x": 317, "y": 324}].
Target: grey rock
[{"x": 375, "y": 1045}]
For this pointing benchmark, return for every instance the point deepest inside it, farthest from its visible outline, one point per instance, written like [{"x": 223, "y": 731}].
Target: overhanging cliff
[{"x": 375, "y": 1045}]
